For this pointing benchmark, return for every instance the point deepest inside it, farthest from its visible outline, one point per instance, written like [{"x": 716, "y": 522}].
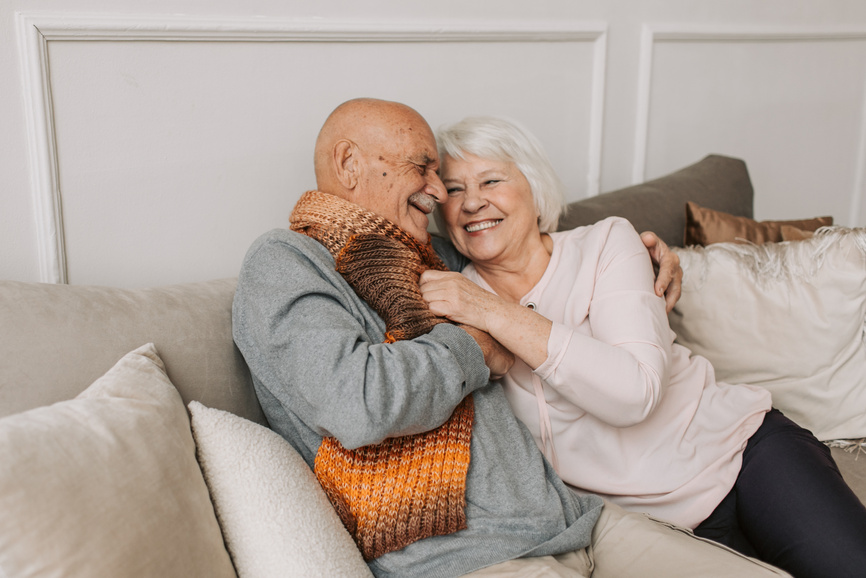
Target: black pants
[{"x": 790, "y": 506}]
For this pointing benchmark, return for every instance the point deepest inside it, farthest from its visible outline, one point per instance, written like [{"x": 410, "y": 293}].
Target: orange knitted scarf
[{"x": 407, "y": 488}]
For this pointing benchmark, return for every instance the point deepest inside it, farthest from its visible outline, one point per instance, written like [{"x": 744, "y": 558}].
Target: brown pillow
[
  {"x": 790, "y": 233},
  {"x": 706, "y": 226}
]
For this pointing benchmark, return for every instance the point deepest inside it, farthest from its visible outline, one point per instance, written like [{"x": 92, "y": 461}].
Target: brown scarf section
[{"x": 408, "y": 488}]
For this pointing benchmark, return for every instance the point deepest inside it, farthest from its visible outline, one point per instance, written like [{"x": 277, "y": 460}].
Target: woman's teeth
[{"x": 475, "y": 227}]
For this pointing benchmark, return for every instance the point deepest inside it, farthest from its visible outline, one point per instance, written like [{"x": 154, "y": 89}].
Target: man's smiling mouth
[{"x": 475, "y": 227}]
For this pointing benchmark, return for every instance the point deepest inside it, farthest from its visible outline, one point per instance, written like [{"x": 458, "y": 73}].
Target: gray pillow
[{"x": 716, "y": 182}]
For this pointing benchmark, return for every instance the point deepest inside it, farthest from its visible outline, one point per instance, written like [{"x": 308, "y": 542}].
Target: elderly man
[{"x": 418, "y": 451}]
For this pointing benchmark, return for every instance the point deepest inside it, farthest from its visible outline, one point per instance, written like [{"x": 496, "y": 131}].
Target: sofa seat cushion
[
  {"x": 850, "y": 456},
  {"x": 60, "y": 338},
  {"x": 107, "y": 484}
]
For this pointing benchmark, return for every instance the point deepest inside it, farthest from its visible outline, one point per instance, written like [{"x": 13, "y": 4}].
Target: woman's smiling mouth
[{"x": 475, "y": 227}]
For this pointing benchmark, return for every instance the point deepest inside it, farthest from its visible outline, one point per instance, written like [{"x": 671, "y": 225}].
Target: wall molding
[
  {"x": 42, "y": 148},
  {"x": 653, "y": 34},
  {"x": 37, "y": 29}
]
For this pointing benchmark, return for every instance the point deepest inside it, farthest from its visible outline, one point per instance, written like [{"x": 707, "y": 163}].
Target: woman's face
[{"x": 490, "y": 211}]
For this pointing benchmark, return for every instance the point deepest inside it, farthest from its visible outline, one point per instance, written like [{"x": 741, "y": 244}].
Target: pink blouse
[{"x": 618, "y": 408}]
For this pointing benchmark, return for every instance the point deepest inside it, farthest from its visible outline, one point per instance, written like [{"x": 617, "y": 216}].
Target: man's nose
[{"x": 435, "y": 187}]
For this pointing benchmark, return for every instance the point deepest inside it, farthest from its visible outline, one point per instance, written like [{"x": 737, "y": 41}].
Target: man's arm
[
  {"x": 669, "y": 274},
  {"x": 318, "y": 349}
]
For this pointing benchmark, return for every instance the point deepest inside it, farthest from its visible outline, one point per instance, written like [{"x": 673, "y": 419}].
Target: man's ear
[{"x": 347, "y": 163}]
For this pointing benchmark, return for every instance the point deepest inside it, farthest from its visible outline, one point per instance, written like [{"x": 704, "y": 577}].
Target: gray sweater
[{"x": 320, "y": 369}]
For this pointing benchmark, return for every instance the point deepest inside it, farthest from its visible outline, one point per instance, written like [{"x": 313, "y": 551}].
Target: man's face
[{"x": 400, "y": 181}]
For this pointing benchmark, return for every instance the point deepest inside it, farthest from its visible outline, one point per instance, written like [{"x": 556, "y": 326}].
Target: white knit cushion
[
  {"x": 107, "y": 484},
  {"x": 785, "y": 316},
  {"x": 274, "y": 515}
]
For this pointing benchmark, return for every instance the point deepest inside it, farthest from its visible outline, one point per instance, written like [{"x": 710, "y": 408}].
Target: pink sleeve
[{"x": 617, "y": 373}]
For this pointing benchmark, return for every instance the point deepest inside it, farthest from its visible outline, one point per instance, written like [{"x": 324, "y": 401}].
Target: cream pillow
[
  {"x": 785, "y": 316},
  {"x": 275, "y": 517},
  {"x": 107, "y": 484}
]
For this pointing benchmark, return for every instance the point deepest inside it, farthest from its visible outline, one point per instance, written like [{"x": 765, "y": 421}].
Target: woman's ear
[{"x": 347, "y": 163}]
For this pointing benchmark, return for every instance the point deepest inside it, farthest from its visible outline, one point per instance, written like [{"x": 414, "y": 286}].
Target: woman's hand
[
  {"x": 669, "y": 279},
  {"x": 519, "y": 329},
  {"x": 452, "y": 295}
]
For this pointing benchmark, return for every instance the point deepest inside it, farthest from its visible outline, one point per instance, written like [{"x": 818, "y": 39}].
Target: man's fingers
[
  {"x": 651, "y": 242},
  {"x": 663, "y": 281},
  {"x": 672, "y": 295}
]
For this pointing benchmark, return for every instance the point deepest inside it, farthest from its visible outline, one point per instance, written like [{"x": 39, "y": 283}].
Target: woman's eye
[
  {"x": 452, "y": 190},
  {"x": 491, "y": 182}
]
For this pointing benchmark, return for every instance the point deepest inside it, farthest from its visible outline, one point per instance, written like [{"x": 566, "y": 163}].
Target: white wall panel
[
  {"x": 790, "y": 102},
  {"x": 147, "y": 143},
  {"x": 176, "y": 143}
]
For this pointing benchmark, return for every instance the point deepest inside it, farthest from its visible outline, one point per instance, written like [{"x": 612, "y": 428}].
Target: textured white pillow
[
  {"x": 274, "y": 515},
  {"x": 785, "y": 316},
  {"x": 107, "y": 484}
]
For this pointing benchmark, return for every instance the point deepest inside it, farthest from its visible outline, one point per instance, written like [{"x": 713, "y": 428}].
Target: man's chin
[{"x": 419, "y": 228}]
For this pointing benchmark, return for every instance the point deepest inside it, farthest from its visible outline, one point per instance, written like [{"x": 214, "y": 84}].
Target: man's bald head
[
  {"x": 368, "y": 122},
  {"x": 382, "y": 156}
]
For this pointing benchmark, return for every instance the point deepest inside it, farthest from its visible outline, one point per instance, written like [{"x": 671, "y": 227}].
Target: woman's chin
[{"x": 480, "y": 253}]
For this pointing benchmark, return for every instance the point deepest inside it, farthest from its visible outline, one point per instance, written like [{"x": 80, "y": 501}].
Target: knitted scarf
[{"x": 407, "y": 488}]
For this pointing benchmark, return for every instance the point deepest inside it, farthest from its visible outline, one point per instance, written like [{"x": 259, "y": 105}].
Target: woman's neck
[{"x": 512, "y": 278}]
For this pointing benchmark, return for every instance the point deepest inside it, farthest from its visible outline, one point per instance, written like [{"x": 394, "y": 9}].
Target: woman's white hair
[{"x": 505, "y": 140}]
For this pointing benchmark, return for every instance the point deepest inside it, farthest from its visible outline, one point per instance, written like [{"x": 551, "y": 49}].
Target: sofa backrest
[
  {"x": 716, "y": 182},
  {"x": 57, "y": 339}
]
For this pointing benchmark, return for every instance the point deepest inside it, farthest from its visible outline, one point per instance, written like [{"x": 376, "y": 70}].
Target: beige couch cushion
[
  {"x": 59, "y": 338},
  {"x": 275, "y": 517},
  {"x": 785, "y": 316},
  {"x": 852, "y": 464},
  {"x": 107, "y": 484}
]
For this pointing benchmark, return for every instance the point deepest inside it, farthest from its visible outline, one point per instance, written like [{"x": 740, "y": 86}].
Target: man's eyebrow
[{"x": 423, "y": 159}]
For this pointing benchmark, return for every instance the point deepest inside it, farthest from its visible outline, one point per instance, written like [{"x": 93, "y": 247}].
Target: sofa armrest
[{"x": 715, "y": 182}]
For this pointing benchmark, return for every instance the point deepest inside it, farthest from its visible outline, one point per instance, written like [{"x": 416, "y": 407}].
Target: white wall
[{"x": 150, "y": 143}]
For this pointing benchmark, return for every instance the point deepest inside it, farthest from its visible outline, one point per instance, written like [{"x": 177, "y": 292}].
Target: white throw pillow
[
  {"x": 107, "y": 484},
  {"x": 275, "y": 517},
  {"x": 785, "y": 316}
]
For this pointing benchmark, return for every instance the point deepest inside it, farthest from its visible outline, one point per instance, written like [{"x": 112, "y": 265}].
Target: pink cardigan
[{"x": 629, "y": 414}]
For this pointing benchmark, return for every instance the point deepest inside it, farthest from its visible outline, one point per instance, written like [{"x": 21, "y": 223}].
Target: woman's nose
[{"x": 474, "y": 200}]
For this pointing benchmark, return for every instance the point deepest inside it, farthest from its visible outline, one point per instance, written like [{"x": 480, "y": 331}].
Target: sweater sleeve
[
  {"x": 449, "y": 255},
  {"x": 317, "y": 349},
  {"x": 615, "y": 366}
]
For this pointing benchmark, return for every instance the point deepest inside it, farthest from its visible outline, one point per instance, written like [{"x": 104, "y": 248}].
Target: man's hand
[
  {"x": 498, "y": 359},
  {"x": 669, "y": 280}
]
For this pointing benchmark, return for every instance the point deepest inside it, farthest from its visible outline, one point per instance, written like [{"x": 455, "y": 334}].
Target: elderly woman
[{"x": 617, "y": 407}]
